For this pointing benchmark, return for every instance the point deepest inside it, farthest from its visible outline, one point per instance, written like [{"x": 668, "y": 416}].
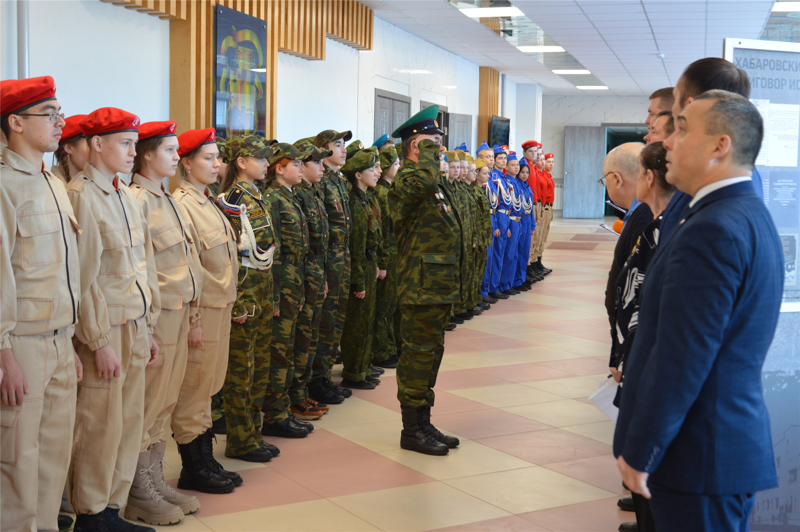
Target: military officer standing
[
  {"x": 429, "y": 268},
  {"x": 40, "y": 283}
]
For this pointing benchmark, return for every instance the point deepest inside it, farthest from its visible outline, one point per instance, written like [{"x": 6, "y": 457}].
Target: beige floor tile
[
  {"x": 190, "y": 524},
  {"x": 528, "y": 490},
  {"x": 358, "y": 411},
  {"x": 420, "y": 507},
  {"x": 446, "y": 366},
  {"x": 544, "y": 338},
  {"x": 583, "y": 347},
  {"x": 469, "y": 458},
  {"x": 564, "y": 413},
  {"x": 320, "y": 515},
  {"x": 491, "y": 325},
  {"x": 602, "y": 431},
  {"x": 380, "y": 436},
  {"x": 506, "y": 395},
  {"x": 572, "y": 387},
  {"x": 486, "y": 359}
]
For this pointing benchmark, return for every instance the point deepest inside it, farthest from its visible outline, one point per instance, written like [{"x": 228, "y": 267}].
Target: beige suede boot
[
  {"x": 145, "y": 502},
  {"x": 188, "y": 503}
]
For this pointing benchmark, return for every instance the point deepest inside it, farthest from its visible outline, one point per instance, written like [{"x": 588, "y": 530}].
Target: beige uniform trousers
[
  {"x": 547, "y": 218},
  {"x": 205, "y": 374},
  {"x": 537, "y": 234},
  {"x": 108, "y": 424},
  {"x": 37, "y": 436},
  {"x": 163, "y": 379}
]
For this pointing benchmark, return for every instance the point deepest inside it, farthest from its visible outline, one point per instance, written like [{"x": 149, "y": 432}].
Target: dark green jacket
[
  {"x": 337, "y": 204},
  {"x": 289, "y": 224},
  {"x": 310, "y": 199},
  {"x": 387, "y": 253},
  {"x": 428, "y": 231},
  {"x": 483, "y": 220},
  {"x": 364, "y": 239}
]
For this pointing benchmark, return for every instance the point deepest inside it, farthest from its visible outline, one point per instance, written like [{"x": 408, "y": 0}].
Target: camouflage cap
[
  {"x": 311, "y": 152},
  {"x": 224, "y": 152},
  {"x": 388, "y": 157},
  {"x": 329, "y": 135},
  {"x": 284, "y": 152},
  {"x": 247, "y": 146},
  {"x": 353, "y": 147},
  {"x": 360, "y": 161}
]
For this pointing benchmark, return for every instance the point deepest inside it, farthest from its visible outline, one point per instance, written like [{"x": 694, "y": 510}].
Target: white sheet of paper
[
  {"x": 604, "y": 398},
  {"x": 783, "y": 128}
]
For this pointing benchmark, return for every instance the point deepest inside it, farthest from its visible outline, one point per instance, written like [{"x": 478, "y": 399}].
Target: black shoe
[
  {"x": 522, "y": 288},
  {"x": 341, "y": 391},
  {"x": 498, "y": 295},
  {"x": 197, "y": 473},
  {"x": 374, "y": 380},
  {"x": 484, "y": 305},
  {"x": 450, "y": 327},
  {"x": 456, "y": 320},
  {"x": 425, "y": 421},
  {"x": 303, "y": 424},
  {"x": 107, "y": 521},
  {"x": 379, "y": 369},
  {"x": 259, "y": 455},
  {"x": 626, "y": 504},
  {"x": 629, "y": 527},
  {"x": 274, "y": 451},
  {"x": 490, "y": 300},
  {"x": 477, "y": 311},
  {"x": 319, "y": 392},
  {"x": 219, "y": 426},
  {"x": 358, "y": 385},
  {"x": 338, "y": 358},
  {"x": 465, "y": 316},
  {"x": 64, "y": 523},
  {"x": 207, "y": 445},
  {"x": 389, "y": 363},
  {"x": 510, "y": 292},
  {"x": 414, "y": 436},
  {"x": 283, "y": 429}
]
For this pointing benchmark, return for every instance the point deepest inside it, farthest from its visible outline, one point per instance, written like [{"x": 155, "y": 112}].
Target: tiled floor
[{"x": 535, "y": 454}]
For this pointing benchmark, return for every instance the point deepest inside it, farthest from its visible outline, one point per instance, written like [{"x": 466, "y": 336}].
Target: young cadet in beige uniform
[
  {"x": 208, "y": 357},
  {"x": 73, "y": 151},
  {"x": 114, "y": 327},
  {"x": 179, "y": 285},
  {"x": 40, "y": 284}
]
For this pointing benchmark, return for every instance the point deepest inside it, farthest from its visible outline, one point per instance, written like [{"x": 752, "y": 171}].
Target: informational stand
[{"x": 774, "y": 72}]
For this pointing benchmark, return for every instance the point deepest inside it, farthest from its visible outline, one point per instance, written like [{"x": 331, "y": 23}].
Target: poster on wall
[
  {"x": 774, "y": 72},
  {"x": 240, "y": 75}
]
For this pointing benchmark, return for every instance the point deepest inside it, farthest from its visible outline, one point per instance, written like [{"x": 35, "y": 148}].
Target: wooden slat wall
[{"x": 488, "y": 100}]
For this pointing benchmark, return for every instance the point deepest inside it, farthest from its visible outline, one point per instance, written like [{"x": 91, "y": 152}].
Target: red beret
[
  {"x": 107, "y": 120},
  {"x": 72, "y": 128},
  {"x": 531, "y": 144},
  {"x": 549, "y": 156},
  {"x": 189, "y": 140},
  {"x": 154, "y": 130},
  {"x": 18, "y": 94}
]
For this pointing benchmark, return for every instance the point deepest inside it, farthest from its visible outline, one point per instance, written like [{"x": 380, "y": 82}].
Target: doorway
[
  {"x": 391, "y": 111},
  {"x": 616, "y": 135}
]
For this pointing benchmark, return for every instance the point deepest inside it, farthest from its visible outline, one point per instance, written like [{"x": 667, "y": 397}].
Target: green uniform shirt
[
  {"x": 337, "y": 205},
  {"x": 311, "y": 201},
  {"x": 483, "y": 220},
  {"x": 387, "y": 251},
  {"x": 428, "y": 232},
  {"x": 290, "y": 224},
  {"x": 365, "y": 238}
]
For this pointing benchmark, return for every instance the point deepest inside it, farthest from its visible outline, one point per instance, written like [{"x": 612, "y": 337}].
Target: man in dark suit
[{"x": 693, "y": 430}]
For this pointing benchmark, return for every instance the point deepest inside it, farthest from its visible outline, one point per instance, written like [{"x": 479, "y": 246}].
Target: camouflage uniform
[
  {"x": 249, "y": 358},
  {"x": 384, "y": 344},
  {"x": 333, "y": 189},
  {"x": 464, "y": 208},
  {"x": 483, "y": 237},
  {"x": 289, "y": 224},
  {"x": 429, "y": 265},
  {"x": 364, "y": 241},
  {"x": 310, "y": 199}
]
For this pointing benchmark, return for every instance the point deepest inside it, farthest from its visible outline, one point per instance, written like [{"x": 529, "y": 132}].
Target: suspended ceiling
[{"x": 632, "y": 46}]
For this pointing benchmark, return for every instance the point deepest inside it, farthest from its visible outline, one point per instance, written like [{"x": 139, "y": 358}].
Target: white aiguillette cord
[{"x": 260, "y": 259}]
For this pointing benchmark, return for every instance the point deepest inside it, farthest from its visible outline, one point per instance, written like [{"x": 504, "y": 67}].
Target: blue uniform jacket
[{"x": 692, "y": 410}]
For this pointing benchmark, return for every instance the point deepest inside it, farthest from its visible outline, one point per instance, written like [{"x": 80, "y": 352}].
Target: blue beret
[
  {"x": 463, "y": 147},
  {"x": 512, "y": 156},
  {"x": 482, "y": 147},
  {"x": 380, "y": 141},
  {"x": 498, "y": 149}
]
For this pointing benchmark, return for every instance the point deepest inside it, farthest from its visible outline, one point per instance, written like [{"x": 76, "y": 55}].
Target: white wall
[
  {"x": 529, "y": 113},
  {"x": 560, "y": 111},
  {"x": 402, "y": 63},
  {"x": 508, "y": 109},
  {"x": 318, "y": 95},
  {"x": 99, "y": 54}
]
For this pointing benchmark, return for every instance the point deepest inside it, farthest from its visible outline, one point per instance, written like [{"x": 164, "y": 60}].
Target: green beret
[
  {"x": 388, "y": 157},
  {"x": 353, "y": 147},
  {"x": 360, "y": 161},
  {"x": 329, "y": 135},
  {"x": 311, "y": 152},
  {"x": 247, "y": 146},
  {"x": 281, "y": 151}
]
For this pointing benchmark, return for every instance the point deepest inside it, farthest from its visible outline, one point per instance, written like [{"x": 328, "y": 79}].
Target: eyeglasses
[
  {"x": 602, "y": 180},
  {"x": 52, "y": 117}
]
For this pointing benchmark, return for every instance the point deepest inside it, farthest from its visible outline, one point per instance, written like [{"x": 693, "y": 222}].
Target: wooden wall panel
[{"x": 488, "y": 100}]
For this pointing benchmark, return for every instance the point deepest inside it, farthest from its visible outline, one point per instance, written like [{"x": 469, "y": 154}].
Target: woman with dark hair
[
  {"x": 362, "y": 171},
  {"x": 73, "y": 150},
  {"x": 654, "y": 191}
]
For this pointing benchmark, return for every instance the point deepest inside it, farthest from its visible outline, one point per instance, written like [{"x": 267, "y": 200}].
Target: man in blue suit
[
  {"x": 704, "y": 75},
  {"x": 693, "y": 431}
]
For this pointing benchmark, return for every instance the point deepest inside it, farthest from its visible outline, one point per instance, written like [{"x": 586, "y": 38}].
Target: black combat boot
[
  {"x": 339, "y": 390},
  {"x": 390, "y": 362},
  {"x": 304, "y": 424},
  {"x": 414, "y": 436},
  {"x": 207, "y": 444},
  {"x": 197, "y": 474},
  {"x": 450, "y": 327},
  {"x": 498, "y": 295},
  {"x": 547, "y": 271},
  {"x": 220, "y": 426},
  {"x": 283, "y": 429},
  {"x": 489, "y": 299},
  {"x": 451, "y": 441},
  {"x": 319, "y": 391}
]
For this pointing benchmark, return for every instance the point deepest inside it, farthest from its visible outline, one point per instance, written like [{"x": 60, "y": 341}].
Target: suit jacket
[{"x": 692, "y": 412}]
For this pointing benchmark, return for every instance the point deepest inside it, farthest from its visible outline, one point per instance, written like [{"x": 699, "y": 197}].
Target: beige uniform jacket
[
  {"x": 39, "y": 269},
  {"x": 215, "y": 243},
  {"x": 116, "y": 257},
  {"x": 180, "y": 280}
]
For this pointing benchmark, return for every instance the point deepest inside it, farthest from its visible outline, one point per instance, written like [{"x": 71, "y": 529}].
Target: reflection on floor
[{"x": 535, "y": 454}]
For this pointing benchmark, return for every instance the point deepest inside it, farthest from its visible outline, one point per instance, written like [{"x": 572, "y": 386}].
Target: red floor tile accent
[
  {"x": 548, "y": 446},
  {"x": 595, "y": 516},
  {"x": 465, "y": 378},
  {"x": 511, "y": 523},
  {"x": 600, "y": 471},
  {"x": 486, "y": 424},
  {"x": 532, "y": 371},
  {"x": 594, "y": 333},
  {"x": 579, "y": 366}
]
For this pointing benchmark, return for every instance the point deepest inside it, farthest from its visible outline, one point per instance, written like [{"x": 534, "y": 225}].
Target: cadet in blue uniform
[
  {"x": 515, "y": 217},
  {"x": 527, "y": 226},
  {"x": 503, "y": 223}
]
